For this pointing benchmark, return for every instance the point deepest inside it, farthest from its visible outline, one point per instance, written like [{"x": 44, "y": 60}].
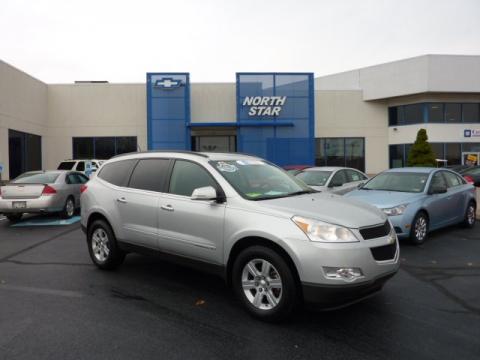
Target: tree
[{"x": 421, "y": 153}]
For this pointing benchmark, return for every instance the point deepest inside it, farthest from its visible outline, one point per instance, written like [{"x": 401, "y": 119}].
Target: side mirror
[
  {"x": 438, "y": 189},
  {"x": 360, "y": 185},
  {"x": 204, "y": 193}
]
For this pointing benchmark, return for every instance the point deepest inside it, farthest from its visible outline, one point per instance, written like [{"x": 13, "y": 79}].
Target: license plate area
[{"x": 19, "y": 204}]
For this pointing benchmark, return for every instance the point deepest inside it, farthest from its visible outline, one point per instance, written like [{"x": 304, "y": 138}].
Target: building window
[
  {"x": 102, "y": 147},
  {"x": 450, "y": 113},
  {"x": 471, "y": 113},
  {"x": 453, "y": 113},
  {"x": 452, "y": 152},
  {"x": 435, "y": 113},
  {"x": 397, "y": 156},
  {"x": 349, "y": 152},
  {"x": 414, "y": 114},
  {"x": 25, "y": 152}
]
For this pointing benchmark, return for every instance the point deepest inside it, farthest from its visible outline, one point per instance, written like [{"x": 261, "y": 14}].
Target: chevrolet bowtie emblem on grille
[{"x": 167, "y": 83}]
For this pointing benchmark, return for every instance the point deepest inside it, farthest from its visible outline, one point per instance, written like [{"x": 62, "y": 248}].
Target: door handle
[
  {"x": 122, "y": 200},
  {"x": 167, "y": 207}
]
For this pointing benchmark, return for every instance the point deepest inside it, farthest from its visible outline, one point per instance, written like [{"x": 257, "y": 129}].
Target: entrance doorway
[
  {"x": 25, "y": 152},
  {"x": 471, "y": 158},
  {"x": 214, "y": 139}
]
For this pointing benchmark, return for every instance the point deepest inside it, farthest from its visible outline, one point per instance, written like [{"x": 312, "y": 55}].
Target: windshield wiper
[{"x": 301, "y": 192}]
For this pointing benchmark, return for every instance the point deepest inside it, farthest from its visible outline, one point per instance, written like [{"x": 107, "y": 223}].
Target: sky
[{"x": 60, "y": 41}]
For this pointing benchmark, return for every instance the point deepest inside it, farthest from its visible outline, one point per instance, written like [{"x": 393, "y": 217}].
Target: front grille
[
  {"x": 375, "y": 231},
  {"x": 386, "y": 252}
]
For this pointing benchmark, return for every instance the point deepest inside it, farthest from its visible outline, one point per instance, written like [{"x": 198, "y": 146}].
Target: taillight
[
  {"x": 48, "y": 190},
  {"x": 469, "y": 179},
  {"x": 83, "y": 188}
]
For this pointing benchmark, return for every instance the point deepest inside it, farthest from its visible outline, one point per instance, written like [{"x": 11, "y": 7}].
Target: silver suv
[{"x": 274, "y": 240}]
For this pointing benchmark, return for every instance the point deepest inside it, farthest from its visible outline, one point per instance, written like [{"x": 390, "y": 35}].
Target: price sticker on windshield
[{"x": 226, "y": 167}]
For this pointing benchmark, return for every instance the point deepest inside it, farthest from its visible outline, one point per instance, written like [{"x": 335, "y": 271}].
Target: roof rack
[{"x": 163, "y": 151}]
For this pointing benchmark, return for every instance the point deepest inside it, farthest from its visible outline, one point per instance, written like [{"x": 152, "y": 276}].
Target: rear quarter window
[{"x": 118, "y": 172}]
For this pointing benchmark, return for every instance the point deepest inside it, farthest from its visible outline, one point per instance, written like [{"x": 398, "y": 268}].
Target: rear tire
[
  {"x": 13, "y": 218},
  {"x": 470, "y": 214},
  {"x": 102, "y": 246},
  {"x": 264, "y": 282},
  {"x": 68, "y": 209},
  {"x": 419, "y": 230}
]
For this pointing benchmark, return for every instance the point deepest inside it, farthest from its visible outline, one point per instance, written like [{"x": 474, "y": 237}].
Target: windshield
[
  {"x": 396, "y": 181},
  {"x": 314, "y": 178},
  {"x": 36, "y": 178},
  {"x": 259, "y": 180}
]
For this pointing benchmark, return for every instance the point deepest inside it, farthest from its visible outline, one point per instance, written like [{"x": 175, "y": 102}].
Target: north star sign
[{"x": 264, "y": 105}]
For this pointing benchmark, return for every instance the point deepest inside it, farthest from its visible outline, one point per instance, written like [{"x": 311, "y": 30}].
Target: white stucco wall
[
  {"x": 23, "y": 107},
  {"x": 93, "y": 110},
  {"x": 213, "y": 102},
  {"x": 345, "y": 114}
]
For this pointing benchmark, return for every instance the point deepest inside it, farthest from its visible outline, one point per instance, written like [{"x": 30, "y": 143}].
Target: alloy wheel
[
  {"x": 471, "y": 214},
  {"x": 100, "y": 244},
  {"x": 262, "y": 284},
  {"x": 421, "y": 228},
  {"x": 70, "y": 208}
]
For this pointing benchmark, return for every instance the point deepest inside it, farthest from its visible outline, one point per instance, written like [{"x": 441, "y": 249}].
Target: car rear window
[
  {"x": 66, "y": 165},
  {"x": 118, "y": 172},
  {"x": 314, "y": 177},
  {"x": 36, "y": 178}
]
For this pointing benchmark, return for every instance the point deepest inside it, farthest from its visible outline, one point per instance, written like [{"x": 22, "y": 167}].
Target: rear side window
[
  {"x": 188, "y": 176},
  {"x": 66, "y": 165},
  {"x": 353, "y": 175},
  {"x": 150, "y": 174},
  {"x": 452, "y": 179},
  {"x": 339, "y": 178},
  {"x": 82, "y": 179},
  {"x": 118, "y": 172}
]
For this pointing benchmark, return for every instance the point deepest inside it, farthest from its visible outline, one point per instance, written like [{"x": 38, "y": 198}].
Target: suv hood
[{"x": 330, "y": 208}]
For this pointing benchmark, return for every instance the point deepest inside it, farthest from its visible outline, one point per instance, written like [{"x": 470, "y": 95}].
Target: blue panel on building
[
  {"x": 272, "y": 98},
  {"x": 168, "y": 111}
]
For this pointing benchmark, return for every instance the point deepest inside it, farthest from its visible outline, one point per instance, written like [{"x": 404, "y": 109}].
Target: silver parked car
[
  {"x": 42, "y": 192},
  {"x": 336, "y": 180},
  {"x": 274, "y": 239}
]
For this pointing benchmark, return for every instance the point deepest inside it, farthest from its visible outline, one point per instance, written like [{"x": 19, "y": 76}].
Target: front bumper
[
  {"x": 42, "y": 204},
  {"x": 401, "y": 224},
  {"x": 335, "y": 296}
]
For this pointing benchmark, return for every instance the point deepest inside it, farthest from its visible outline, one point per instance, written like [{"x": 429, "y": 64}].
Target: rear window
[
  {"x": 118, "y": 172},
  {"x": 36, "y": 178},
  {"x": 66, "y": 165}
]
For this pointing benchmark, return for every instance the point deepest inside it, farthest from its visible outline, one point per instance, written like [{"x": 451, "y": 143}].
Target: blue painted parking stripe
[{"x": 42, "y": 221}]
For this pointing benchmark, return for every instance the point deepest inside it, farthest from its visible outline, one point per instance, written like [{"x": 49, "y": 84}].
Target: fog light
[{"x": 343, "y": 273}]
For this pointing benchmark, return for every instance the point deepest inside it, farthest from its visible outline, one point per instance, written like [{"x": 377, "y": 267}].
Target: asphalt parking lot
[{"x": 55, "y": 304}]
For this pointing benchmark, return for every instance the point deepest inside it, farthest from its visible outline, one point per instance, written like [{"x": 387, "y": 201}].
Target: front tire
[
  {"x": 103, "y": 247},
  {"x": 13, "y": 218},
  {"x": 264, "y": 282},
  {"x": 470, "y": 214},
  {"x": 419, "y": 230}
]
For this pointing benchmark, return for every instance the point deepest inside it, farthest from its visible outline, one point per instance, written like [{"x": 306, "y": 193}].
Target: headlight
[
  {"x": 324, "y": 232},
  {"x": 397, "y": 210}
]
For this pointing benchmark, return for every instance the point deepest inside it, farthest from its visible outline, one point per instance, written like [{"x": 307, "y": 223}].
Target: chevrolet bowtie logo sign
[{"x": 167, "y": 83}]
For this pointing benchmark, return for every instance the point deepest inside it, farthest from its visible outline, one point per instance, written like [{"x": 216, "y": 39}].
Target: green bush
[{"x": 421, "y": 153}]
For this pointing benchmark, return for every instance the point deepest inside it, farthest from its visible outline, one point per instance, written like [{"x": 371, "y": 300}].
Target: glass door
[
  {"x": 214, "y": 143},
  {"x": 471, "y": 158}
]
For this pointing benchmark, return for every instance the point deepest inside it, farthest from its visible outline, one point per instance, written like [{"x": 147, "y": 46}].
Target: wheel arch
[
  {"x": 96, "y": 215},
  {"x": 249, "y": 241}
]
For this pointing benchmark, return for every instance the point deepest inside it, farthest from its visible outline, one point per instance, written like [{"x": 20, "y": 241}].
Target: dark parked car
[{"x": 472, "y": 175}]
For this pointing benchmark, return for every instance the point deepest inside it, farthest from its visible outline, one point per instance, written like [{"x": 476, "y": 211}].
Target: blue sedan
[{"x": 418, "y": 200}]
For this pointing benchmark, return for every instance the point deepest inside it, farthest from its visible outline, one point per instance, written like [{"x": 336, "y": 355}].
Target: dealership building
[{"x": 365, "y": 118}]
